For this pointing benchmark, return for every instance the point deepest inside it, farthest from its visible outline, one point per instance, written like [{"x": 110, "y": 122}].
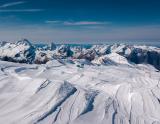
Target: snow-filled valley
[{"x": 103, "y": 84}]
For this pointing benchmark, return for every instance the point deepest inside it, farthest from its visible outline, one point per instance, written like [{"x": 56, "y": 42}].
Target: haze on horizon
[{"x": 81, "y": 20}]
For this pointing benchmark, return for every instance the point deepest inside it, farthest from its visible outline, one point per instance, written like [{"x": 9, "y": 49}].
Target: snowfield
[{"x": 108, "y": 88}]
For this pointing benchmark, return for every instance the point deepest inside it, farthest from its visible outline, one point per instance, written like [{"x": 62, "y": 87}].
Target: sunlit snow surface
[{"x": 62, "y": 93}]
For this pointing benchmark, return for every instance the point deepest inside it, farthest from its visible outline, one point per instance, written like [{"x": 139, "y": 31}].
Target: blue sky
[{"x": 80, "y": 20}]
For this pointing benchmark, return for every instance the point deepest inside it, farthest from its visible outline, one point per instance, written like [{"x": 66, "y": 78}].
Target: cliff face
[{"x": 148, "y": 57}]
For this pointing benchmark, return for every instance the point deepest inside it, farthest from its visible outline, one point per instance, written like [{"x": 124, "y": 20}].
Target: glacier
[{"x": 65, "y": 84}]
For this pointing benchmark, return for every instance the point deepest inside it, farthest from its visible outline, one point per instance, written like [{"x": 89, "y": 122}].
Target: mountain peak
[{"x": 24, "y": 42}]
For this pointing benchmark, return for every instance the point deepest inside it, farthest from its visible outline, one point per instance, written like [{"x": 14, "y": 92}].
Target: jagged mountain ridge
[{"x": 24, "y": 51}]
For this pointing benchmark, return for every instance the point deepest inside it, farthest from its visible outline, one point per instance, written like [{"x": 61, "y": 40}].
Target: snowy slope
[
  {"x": 112, "y": 58},
  {"x": 62, "y": 93}
]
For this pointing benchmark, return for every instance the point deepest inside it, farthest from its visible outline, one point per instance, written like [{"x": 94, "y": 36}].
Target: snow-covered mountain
[
  {"x": 22, "y": 51},
  {"x": 25, "y": 52},
  {"x": 63, "y": 84}
]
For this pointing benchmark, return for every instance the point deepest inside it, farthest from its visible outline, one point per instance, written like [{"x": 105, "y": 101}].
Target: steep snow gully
[{"x": 88, "y": 87}]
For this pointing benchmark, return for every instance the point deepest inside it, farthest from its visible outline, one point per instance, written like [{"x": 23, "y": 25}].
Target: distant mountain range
[{"x": 24, "y": 51}]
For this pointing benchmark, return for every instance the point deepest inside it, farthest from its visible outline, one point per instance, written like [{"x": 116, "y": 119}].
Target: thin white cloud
[
  {"x": 4, "y": 7},
  {"x": 85, "y": 23},
  {"x": 53, "y": 22},
  {"x": 12, "y": 4},
  {"x": 21, "y": 10},
  {"x": 78, "y": 23}
]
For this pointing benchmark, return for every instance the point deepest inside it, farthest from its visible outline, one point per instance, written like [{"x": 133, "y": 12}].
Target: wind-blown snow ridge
[
  {"x": 57, "y": 93},
  {"x": 96, "y": 85}
]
